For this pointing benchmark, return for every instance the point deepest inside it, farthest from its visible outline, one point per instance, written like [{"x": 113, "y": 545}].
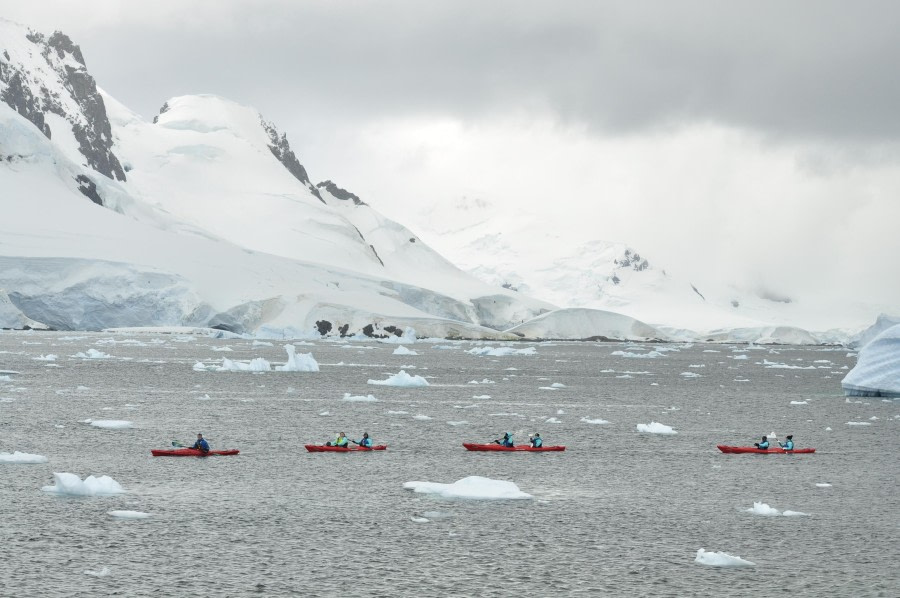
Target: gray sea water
[{"x": 618, "y": 513}]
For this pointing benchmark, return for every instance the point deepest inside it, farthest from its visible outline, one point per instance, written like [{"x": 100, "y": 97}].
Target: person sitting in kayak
[
  {"x": 537, "y": 441},
  {"x": 506, "y": 440},
  {"x": 340, "y": 440},
  {"x": 788, "y": 444},
  {"x": 364, "y": 442},
  {"x": 764, "y": 445},
  {"x": 201, "y": 444}
]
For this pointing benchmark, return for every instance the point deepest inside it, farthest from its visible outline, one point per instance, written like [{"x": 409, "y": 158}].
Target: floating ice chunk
[
  {"x": 650, "y": 355},
  {"x": 823, "y": 485},
  {"x": 99, "y": 573},
  {"x": 710, "y": 351},
  {"x": 484, "y": 381},
  {"x": 401, "y": 350},
  {"x": 458, "y": 423},
  {"x": 201, "y": 367},
  {"x": 18, "y": 457},
  {"x": 298, "y": 362},
  {"x": 481, "y": 396},
  {"x": 697, "y": 365},
  {"x": 689, "y": 375},
  {"x": 593, "y": 421},
  {"x": 472, "y": 487},
  {"x": 409, "y": 337},
  {"x": 111, "y": 424},
  {"x": 828, "y": 429},
  {"x": 359, "y": 398},
  {"x": 623, "y": 376},
  {"x": 859, "y": 423},
  {"x": 262, "y": 344},
  {"x": 48, "y": 357},
  {"x": 324, "y": 413},
  {"x": 721, "y": 559},
  {"x": 739, "y": 357},
  {"x": 93, "y": 354},
  {"x": 655, "y": 428},
  {"x": 401, "y": 379},
  {"x": 761, "y": 508},
  {"x": 398, "y": 412},
  {"x": 795, "y": 514},
  {"x": 71, "y": 485},
  {"x": 771, "y": 365},
  {"x": 419, "y": 519},
  {"x": 5, "y": 379},
  {"x": 128, "y": 514},
  {"x": 421, "y": 417},
  {"x": 255, "y": 365},
  {"x": 874, "y": 418},
  {"x": 225, "y": 348},
  {"x": 552, "y": 420},
  {"x": 501, "y": 351},
  {"x": 558, "y": 385},
  {"x": 560, "y": 412},
  {"x": 799, "y": 402}
]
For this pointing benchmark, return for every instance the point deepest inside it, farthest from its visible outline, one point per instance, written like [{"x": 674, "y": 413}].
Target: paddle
[{"x": 177, "y": 444}]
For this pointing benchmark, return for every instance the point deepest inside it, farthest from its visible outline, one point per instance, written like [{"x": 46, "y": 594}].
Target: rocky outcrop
[
  {"x": 340, "y": 193},
  {"x": 281, "y": 149},
  {"x": 56, "y": 81}
]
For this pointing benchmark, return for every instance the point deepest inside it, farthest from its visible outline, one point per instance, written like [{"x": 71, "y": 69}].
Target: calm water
[{"x": 618, "y": 513}]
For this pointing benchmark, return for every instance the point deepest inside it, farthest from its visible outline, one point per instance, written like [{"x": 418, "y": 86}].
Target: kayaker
[
  {"x": 764, "y": 445},
  {"x": 365, "y": 441},
  {"x": 788, "y": 444},
  {"x": 201, "y": 444},
  {"x": 340, "y": 440},
  {"x": 536, "y": 441},
  {"x": 507, "y": 440}
]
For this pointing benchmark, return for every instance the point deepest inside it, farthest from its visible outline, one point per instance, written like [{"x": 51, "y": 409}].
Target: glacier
[{"x": 877, "y": 370}]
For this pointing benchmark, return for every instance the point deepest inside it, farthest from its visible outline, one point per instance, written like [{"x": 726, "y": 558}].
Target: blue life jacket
[
  {"x": 341, "y": 441},
  {"x": 763, "y": 445},
  {"x": 788, "y": 445},
  {"x": 201, "y": 445},
  {"x": 507, "y": 440},
  {"x": 365, "y": 442},
  {"x": 537, "y": 442}
]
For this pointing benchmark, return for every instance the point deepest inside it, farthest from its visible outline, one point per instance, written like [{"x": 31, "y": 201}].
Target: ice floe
[
  {"x": 422, "y": 417},
  {"x": 359, "y": 398},
  {"x": 104, "y": 572},
  {"x": 472, "y": 487},
  {"x": 597, "y": 421},
  {"x": 48, "y": 357},
  {"x": 655, "y": 428},
  {"x": 721, "y": 559},
  {"x": 17, "y": 457},
  {"x": 501, "y": 351},
  {"x": 401, "y": 379},
  {"x": 859, "y": 423},
  {"x": 761, "y": 508},
  {"x": 650, "y": 355},
  {"x": 552, "y": 420},
  {"x": 93, "y": 354},
  {"x": 110, "y": 424},
  {"x": 298, "y": 362},
  {"x": 689, "y": 375},
  {"x": 481, "y": 396},
  {"x": 799, "y": 402},
  {"x": 401, "y": 350},
  {"x": 70, "y": 484},
  {"x": 458, "y": 423},
  {"x": 128, "y": 514},
  {"x": 823, "y": 485}
]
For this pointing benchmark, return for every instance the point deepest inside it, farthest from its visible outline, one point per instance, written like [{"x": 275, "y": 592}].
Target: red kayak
[
  {"x": 511, "y": 449},
  {"x": 320, "y": 448},
  {"x": 189, "y": 452},
  {"x": 770, "y": 451}
]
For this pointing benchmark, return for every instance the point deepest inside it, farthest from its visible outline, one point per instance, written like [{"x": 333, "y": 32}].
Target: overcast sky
[{"x": 758, "y": 141}]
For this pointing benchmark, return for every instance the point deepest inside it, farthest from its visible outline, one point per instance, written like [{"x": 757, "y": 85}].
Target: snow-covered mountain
[{"x": 202, "y": 217}]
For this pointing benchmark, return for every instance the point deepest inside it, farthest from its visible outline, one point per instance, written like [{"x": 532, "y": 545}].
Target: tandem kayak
[
  {"x": 189, "y": 452},
  {"x": 770, "y": 451},
  {"x": 511, "y": 449},
  {"x": 320, "y": 448}
]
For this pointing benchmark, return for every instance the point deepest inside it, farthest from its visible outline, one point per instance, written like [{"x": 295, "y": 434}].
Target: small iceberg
[
  {"x": 69, "y": 484},
  {"x": 422, "y": 417},
  {"x": 721, "y": 559},
  {"x": 255, "y": 365},
  {"x": 128, "y": 514},
  {"x": 655, "y": 428},
  {"x": 799, "y": 402},
  {"x": 552, "y": 420},
  {"x": 761, "y": 508},
  {"x": 48, "y": 357},
  {"x": 110, "y": 424},
  {"x": 500, "y": 351},
  {"x": 650, "y": 355},
  {"x": 598, "y": 421},
  {"x": 401, "y": 350},
  {"x": 401, "y": 379},
  {"x": 472, "y": 487},
  {"x": 823, "y": 485},
  {"x": 18, "y": 457},
  {"x": 93, "y": 354},
  {"x": 99, "y": 573},
  {"x": 298, "y": 362},
  {"x": 359, "y": 398}
]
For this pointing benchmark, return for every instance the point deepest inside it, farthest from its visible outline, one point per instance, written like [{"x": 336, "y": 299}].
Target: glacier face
[{"x": 877, "y": 370}]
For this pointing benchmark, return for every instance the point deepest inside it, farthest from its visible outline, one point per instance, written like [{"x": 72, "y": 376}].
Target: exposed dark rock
[
  {"x": 163, "y": 110},
  {"x": 698, "y": 292},
  {"x": 19, "y": 97},
  {"x": 89, "y": 189},
  {"x": 343, "y": 330},
  {"x": 412, "y": 239},
  {"x": 393, "y": 330},
  {"x": 340, "y": 193},
  {"x": 281, "y": 149},
  {"x": 632, "y": 260},
  {"x": 376, "y": 254},
  {"x": 63, "y": 45},
  {"x": 324, "y": 327}
]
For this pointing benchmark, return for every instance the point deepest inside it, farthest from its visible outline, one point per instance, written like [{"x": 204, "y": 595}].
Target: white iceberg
[
  {"x": 128, "y": 514},
  {"x": 721, "y": 559},
  {"x": 761, "y": 508},
  {"x": 823, "y": 485},
  {"x": 48, "y": 357},
  {"x": 501, "y": 351},
  {"x": 255, "y": 365},
  {"x": 359, "y": 398},
  {"x": 472, "y": 487},
  {"x": 597, "y": 421},
  {"x": 422, "y": 417},
  {"x": 799, "y": 402},
  {"x": 655, "y": 428},
  {"x": 70, "y": 484},
  {"x": 93, "y": 354},
  {"x": 18, "y": 457},
  {"x": 877, "y": 370},
  {"x": 401, "y": 379},
  {"x": 298, "y": 362},
  {"x": 110, "y": 424},
  {"x": 552, "y": 420},
  {"x": 401, "y": 350},
  {"x": 650, "y": 355}
]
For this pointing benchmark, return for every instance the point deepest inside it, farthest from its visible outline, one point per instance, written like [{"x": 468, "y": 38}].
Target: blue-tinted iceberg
[{"x": 877, "y": 371}]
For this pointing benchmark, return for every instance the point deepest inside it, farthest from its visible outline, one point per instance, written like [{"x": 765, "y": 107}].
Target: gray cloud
[{"x": 822, "y": 70}]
